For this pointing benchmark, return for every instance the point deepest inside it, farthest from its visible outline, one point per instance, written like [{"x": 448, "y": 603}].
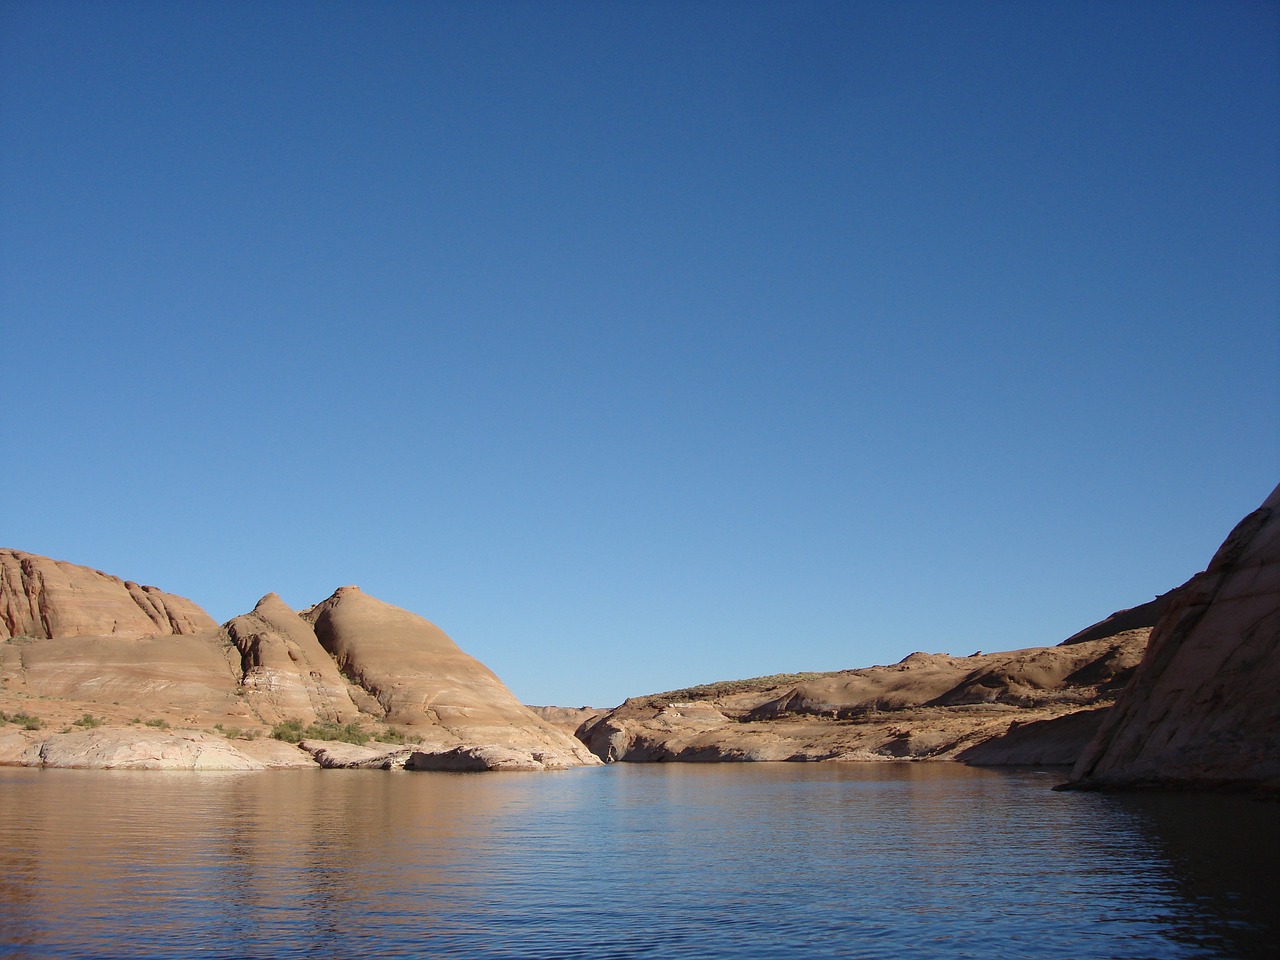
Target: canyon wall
[{"x": 1203, "y": 707}]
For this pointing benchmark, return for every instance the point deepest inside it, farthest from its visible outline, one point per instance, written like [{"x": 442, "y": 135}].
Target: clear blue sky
[{"x": 644, "y": 344}]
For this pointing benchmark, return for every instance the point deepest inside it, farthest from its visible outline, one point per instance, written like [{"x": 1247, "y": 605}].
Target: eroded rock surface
[
  {"x": 285, "y": 672},
  {"x": 135, "y": 665},
  {"x": 130, "y": 749},
  {"x": 180, "y": 679},
  {"x": 40, "y": 597},
  {"x": 477, "y": 760},
  {"x": 1203, "y": 708},
  {"x": 569, "y": 719},
  {"x": 427, "y": 685},
  {"x": 334, "y": 755},
  {"x": 926, "y": 707}
]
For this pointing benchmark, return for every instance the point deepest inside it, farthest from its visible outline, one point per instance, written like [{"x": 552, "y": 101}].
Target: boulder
[
  {"x": 337, "y": 755},
  {"x": 478, "y": 759}
]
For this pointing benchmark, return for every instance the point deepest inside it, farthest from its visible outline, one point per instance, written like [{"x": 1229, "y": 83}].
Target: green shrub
[
  {"x": 88, "y": 721},
  {"x": 235, "y": 733},
  {"x": 293, "y": 731},
  {"x": 288, "y": 730},
  {"x": 26, "y": 721},
  {"x": 158, "y": 723},
  {"x": 345, "y": 732},
  {"x": 390, "y": 736}
]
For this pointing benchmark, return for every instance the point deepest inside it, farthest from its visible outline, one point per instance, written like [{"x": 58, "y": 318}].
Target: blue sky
[{"x": 642, "y": 345}]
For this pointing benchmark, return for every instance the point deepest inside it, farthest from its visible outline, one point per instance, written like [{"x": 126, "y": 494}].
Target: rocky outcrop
[
  {"x": 569, "y": 719},
  {"x": 424, "y": 683},
  {"x": 1203, "y": 708},
  {"x": 285, "y": 672},
  {"x": 1056, "y": 741},
  {"x": 1141, "y": 617},
  {"x": 129, "y": 749},
  {"x": 475, "y": 760},
  {"x": 926, "y": 707},
  {"x": 335, "y": 755},
  {"x": 47, "y": 598},
  {"x": 135, "y": 665}
]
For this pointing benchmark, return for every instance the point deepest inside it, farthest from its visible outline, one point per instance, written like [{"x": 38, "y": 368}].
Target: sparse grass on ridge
[{"x": 725, "y": 688}]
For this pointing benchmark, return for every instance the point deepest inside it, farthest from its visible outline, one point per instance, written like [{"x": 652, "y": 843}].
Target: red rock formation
[
  {"x": 1203, "y": 708},
  {"x": 81, "y": 647},
  {"x": 47, "y": 598},
  {"x": 928, "y": 706},
  {"x": 423, "y": 681},
  {"x": 287, "y": 674}
]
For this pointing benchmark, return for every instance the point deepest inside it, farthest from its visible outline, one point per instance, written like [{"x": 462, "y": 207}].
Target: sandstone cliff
[
  {"x": 40, "y": 597},
  {"x": 1203, "y": 708},
  {"x": 424, "y": 683},
  {"x": 285, "y": 672},
  {"x": 96, "y": 671}
]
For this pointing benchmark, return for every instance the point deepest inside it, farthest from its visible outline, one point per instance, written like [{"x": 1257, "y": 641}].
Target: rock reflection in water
[
  {"x": 1222, "y": 854},
  {"x": 869, "y": 860}
]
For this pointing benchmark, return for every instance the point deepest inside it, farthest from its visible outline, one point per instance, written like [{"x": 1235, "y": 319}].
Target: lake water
[{"x": 666, "y": 861}]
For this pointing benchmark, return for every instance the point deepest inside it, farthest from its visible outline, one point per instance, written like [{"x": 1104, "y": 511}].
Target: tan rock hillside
[
  {"x": 1203, "y": 708},
  {"x": 40, "y": 597},
  {"x": 78, "y": 641},
  {"x": 1033, "y": 706},
  {"x": 98, "y": 671},
  {"x": 285, "y": 672},
  {"x": 425, "y": 683}
]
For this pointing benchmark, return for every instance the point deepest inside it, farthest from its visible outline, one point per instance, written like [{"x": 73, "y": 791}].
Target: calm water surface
[{"x": 745, "y": 861}]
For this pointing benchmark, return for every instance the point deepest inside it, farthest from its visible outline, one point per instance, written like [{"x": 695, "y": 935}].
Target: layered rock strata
[
  {"x": 134, "y": 665},
  {"x": 1203, "y": 708},
  {"x": 47, "y": 598},
  {"x": 1020, "y": 707},
  {"x": 425, "y": 684},
  {"x": 285, "y": 672}
]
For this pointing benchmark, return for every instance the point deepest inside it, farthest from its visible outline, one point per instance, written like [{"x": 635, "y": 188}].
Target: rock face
[
  {"x": 124, "y": 749},
  {"x": 47, "y": 598},
  {"x": 1017, "y": 705},
  {"x": 189, "y": 679},
  {"x": 422, "y": 681},
  {"x": 286, "y": 673},
  {"x": 134, "y": 666},
  {"x": 1203, "y": 708}
]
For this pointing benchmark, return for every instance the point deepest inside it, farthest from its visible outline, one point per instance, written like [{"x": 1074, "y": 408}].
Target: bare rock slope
[
  {"x": 285, "y": 672},
  {"x": 1203, "y": 708},
  {"x": 425, "y": 684},
  {"x": 40, "y": 597},
  {"x": 1033, "y": 706},
  {"x": 96, "y": 671}
]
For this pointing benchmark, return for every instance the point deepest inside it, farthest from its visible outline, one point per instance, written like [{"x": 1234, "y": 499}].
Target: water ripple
[{"x": 905, "y": 861}]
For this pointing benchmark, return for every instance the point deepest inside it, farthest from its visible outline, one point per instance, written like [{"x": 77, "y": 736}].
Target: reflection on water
[{"x": 881, "y": 860}]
